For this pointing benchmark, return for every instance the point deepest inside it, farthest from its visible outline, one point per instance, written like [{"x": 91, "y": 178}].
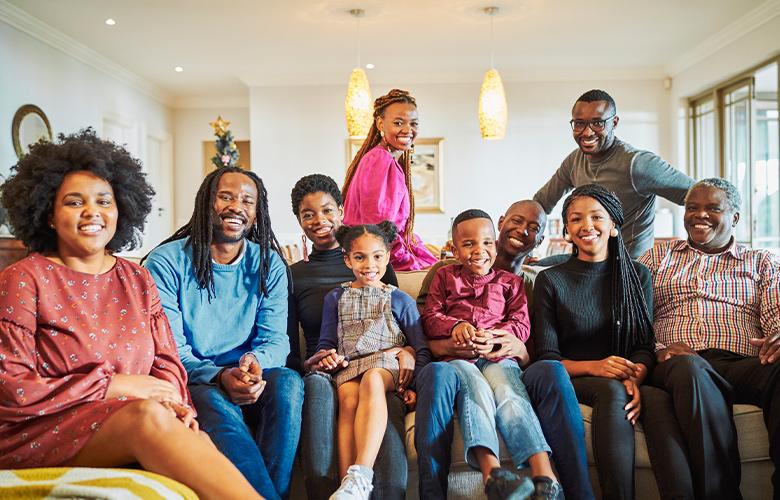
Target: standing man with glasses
[{"x": 635, "y": 176}]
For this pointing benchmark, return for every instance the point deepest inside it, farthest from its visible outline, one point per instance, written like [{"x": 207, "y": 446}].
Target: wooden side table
[{"x": 11, "y": 250}]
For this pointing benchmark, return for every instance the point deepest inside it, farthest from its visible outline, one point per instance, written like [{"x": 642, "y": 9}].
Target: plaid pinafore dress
[{"x": 366, "y": 328}]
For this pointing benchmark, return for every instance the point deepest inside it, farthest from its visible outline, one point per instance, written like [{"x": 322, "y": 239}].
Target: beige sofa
[{"x": 466, "y": 483}]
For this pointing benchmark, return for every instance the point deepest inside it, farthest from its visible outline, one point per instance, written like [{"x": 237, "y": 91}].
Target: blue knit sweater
[{"x": 213, "y": 335}]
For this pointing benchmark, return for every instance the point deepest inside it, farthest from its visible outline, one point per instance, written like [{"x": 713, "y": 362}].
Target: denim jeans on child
[
  {"x": 266, "y": 459},
  {"x": 492, "y": 395},
  {"x": 318, "y": 443}
]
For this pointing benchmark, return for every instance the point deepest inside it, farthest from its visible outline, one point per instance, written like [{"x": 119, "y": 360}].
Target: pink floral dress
[{"x": 63, "y": 335}]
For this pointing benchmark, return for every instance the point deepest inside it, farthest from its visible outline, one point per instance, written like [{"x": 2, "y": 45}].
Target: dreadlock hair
[
  {"x": 313, "y": 183},
  {"x": 199, "y": 230},
  {"x": 385, "y": 231},
  {"x": 631, "y": 324},
  {"x": 374, "y": 138},
  {"x": 472, "y": 213},
  {"x": 598, "y": 95}
]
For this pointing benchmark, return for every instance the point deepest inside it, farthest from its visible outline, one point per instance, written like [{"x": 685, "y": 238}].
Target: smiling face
[
  {"x": 320, "y": 216},
  {"x": 594, "y": 143},
  {"x": 84, "y": 215},
  {"x": 399, "y": 123},
  {"x": 474, "y": 242},
  {"x": 235, "y": 205},
  {"x": 521, "y": 229},
  {"x": 708, "y": 219},
  {"x": 368, "y": 258},
  {"x": 589, "y": 225}
]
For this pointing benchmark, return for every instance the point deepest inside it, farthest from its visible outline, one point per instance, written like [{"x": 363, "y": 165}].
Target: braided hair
[
  {"x": 385, "y": 231},
  {"x": 631, "y": 323},
  {"x": 199, "y": 230},
  {"x": 374, "y": 138}
]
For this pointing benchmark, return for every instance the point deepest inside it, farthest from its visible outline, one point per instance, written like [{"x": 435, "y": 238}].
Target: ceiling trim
[
  {"x": 24, "y": 22},
  {"x": 207, "y": 102},
  {"x": 512, "y": 75},
  {"x": 728, "y": 35}
]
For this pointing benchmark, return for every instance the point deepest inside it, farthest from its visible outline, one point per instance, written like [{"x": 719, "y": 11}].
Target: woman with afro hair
[{"x": 89, "y": 372}]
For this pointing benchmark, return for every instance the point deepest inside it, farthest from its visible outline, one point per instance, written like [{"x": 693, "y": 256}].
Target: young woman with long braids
[
  {"x": 594, "y": 336},
  {"x": 378, "y": 184}
]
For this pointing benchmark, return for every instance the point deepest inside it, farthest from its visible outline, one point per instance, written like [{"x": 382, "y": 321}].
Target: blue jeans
[
  {"x": 492, "y": 395},
  {"x": 437, "y": 386},
  {"x": 552, "y": 394},
  {"x": 318, "y": 443},
  {"x": 266, "y": 459}
]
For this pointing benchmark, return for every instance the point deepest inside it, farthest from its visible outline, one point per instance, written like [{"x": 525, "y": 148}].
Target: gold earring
[
  {"x": 567, "y": 237},
  {"x": 382, "y": 134},
  {"x": 613, "y": 232}
]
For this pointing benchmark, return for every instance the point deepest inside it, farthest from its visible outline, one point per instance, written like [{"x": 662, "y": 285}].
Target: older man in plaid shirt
[{"x": 717, "y": 325}]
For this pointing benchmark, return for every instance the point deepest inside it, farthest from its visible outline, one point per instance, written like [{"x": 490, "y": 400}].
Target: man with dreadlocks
[
  {"x": 378, "y": 184},
  {"x": 717, "y": 319},
  {"x": 223, "y": 286},
  {"x": 636, "y": 176},
  {"x": 594, "y": 341}
]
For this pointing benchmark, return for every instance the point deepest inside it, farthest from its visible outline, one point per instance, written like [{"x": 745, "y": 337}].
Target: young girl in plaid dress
[{"x": 373, "y": 332}]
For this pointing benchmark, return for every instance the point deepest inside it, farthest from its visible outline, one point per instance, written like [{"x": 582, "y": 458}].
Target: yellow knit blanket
[{"x": 77, "y": 482}]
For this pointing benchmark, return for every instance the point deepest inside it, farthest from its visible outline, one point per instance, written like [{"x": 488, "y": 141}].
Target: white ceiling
[{"x": 225, "y": 46}]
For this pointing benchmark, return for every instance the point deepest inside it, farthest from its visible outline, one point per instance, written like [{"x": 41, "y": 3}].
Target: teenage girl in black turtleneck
[
  {"x": 593, "y": 317},
  {"x": 317, "y": 204}
]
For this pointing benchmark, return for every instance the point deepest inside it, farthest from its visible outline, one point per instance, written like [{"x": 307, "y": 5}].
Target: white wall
[
  {"x": 301, "y": 130},
  {"x": 73, "y": 95},
  {"x": 191, "y": 127}
]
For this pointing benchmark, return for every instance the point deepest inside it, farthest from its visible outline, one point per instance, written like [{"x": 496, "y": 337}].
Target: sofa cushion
[{"x": 753, "y": 437}]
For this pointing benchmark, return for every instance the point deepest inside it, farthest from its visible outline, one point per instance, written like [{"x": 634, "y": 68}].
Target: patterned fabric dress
[
  {"x": 63, "y": 335},
  {"x": 366, "y": 328}
]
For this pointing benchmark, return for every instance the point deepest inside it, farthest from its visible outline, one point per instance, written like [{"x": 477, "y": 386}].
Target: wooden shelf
[{"x": 11, "y": 250}]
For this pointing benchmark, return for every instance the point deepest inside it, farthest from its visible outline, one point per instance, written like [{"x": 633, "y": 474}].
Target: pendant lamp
[
  {"x": 358, "y": 105},
  {"x": 492, "y": 99}
]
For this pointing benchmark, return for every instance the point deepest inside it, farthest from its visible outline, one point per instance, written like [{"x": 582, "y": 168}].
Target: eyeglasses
[{"x": 595, "y": 125}]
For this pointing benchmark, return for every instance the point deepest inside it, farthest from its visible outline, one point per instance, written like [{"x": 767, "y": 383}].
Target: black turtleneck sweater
[
  {"x": 573, "y": 312},
  {"x": 311, "y": 281}
]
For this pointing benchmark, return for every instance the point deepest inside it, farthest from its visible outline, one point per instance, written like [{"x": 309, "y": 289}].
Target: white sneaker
[{"x": 354, "y": 486}]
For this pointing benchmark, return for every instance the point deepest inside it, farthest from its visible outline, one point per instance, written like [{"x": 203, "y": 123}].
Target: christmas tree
[{"x": 227, "y": 152}]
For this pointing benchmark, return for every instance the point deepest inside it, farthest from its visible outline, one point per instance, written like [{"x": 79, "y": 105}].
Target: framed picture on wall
[{"x": 427, "y": 172}]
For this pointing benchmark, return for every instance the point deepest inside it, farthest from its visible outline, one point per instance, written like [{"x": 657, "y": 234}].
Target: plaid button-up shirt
[{"x": 714, "y": 300}]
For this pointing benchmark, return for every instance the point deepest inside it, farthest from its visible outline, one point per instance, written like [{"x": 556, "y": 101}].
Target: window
[{"x": 734, "y": 134}]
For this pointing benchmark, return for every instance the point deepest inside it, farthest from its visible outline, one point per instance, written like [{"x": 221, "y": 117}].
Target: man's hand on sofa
[{"x": 674, "y": 349}]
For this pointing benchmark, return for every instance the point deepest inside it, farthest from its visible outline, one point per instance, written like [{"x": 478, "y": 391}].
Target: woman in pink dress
[
  {"x": 89, "y": 371},
  {"x": 378, "y": 184}
]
